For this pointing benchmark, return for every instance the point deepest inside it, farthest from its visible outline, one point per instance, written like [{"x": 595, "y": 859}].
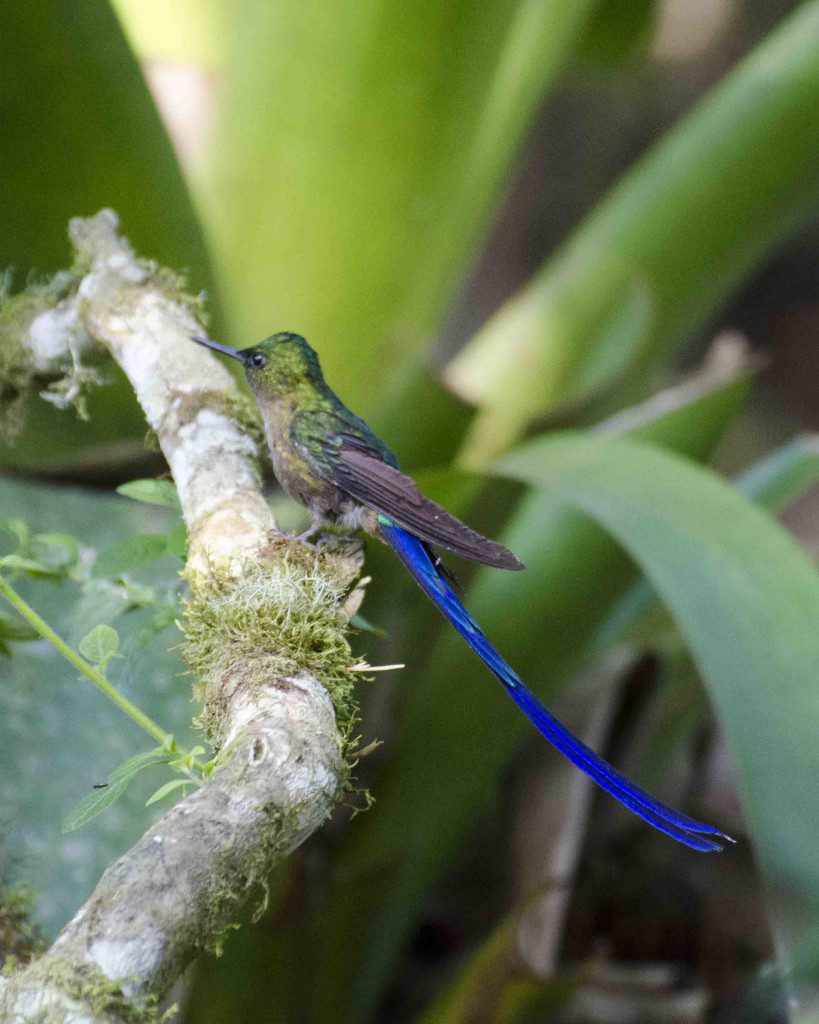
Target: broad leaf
[
  {"x": 80, "y": 132},
  {"x": 103, "y": 796},
  {"x": 388, "y": 129},
  {"x": 747, "y": 601},
  {"x": 130, "y": 553},
  {"x": 93, "y": 803},
  {"x": 665, "y": 232}
]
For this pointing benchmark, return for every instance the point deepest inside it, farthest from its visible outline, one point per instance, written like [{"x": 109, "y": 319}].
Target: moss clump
[
  {"x": 20, "y": 940},
  {"x": 280, "y": 618},
  {"x": 176, "y": 286},
  {"x": 85, "y": 983},
  {"x": 18, "y": 374}
]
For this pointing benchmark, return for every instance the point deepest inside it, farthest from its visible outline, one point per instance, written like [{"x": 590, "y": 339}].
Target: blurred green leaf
[
  {"x": 166, "y": 790},
  {"x": 453, "y": 742},
  {"x": 152, "y": 492},
  {"x": 29, "y": 565},
  {"x": 184, "y": 32},
  {"x": 492, "y": 987},
  {"x": 617, "y": 32},
  {"x": 130, "y": 553},
  {"x": 103, "y": 796},
  {"x": 176, "y": 543},
  {"x": 56, "y": 734},
  {"x": 365, "y": 626},
  {"x": 128, "y": 769},
  {"x": 58, "y": 550},
  {"x": 100, "y": 645},
  {"x": 80, "y": 132},
  {"x": 772, "y": 483},
  {"x": 358, "y": 153},
  {"x": 784, "y": 475},
  {"x": 15, "y": 628},
  {"x": 681, "y": 229},
  {"x": 92, "y": 804},
  {"x": 747, "y": 601}
]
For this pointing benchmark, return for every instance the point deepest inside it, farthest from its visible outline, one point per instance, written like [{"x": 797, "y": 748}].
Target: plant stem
[{"x": 91, "y": 671}]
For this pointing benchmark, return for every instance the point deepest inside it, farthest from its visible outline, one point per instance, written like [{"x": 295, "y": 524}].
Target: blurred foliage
[
  {"x": 733, "y": 581},
  {"x": 352, "y": 157},
  {"x": 344, "y": 204},
  {"x": 662, "y": 249},
  {"x": 79, "y": 132},
  {"x": 58, "y": 735}
]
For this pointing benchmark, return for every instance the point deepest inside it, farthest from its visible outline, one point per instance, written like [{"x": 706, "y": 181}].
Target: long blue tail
[{"x": 416, "y": 557}]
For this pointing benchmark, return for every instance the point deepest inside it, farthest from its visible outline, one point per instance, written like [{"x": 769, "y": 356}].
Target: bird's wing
[{"x": 357, "y": 464}]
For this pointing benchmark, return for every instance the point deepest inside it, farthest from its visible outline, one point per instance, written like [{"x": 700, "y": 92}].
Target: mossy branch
[{"x": 265, "y": 627}]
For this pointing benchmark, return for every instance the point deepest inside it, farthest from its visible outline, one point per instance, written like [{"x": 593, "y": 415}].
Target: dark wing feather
[
  {"x": 343, "y": 450},
  {"x": 384, "y": 488}
]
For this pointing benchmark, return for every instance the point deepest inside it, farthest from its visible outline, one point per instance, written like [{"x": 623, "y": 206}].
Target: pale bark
[{"x": 175, "y": 890}]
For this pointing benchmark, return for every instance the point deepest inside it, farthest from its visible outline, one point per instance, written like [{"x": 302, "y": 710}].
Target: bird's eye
[{"x": 258, "y": 360}]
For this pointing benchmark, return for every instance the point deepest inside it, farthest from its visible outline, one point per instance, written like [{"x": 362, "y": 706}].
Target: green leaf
[
  {"x": 58, "y": 550},
  {"x": 783, "y": 475},
  {"x": 68, "y": 74},
  {"x": 16, "y": 629},
  {"x": 184, "y": 32},
  {"x": 100, "y": 798},
  {"x": 52, "y": 731},
  {"x": 176, "y": 542},
  {"x": 29, "y": 565},
  {"x": 772, "y": 483},
  {"x": 617, "y": 32},
  {"x": 130, "y": 553},
  {"x": 747, "y": 601},
  {"x": 100, "y": 645},
  {"x": 408, "y": 117},
  {"x": 665, "y": 232},
  {"x": 147, "y": 759},
  {"x": 152, "y": 492},
  {"x": 163, "y": 791},
  {"x": 18, "y": 528},
  {"x": 92, "y": 804}
]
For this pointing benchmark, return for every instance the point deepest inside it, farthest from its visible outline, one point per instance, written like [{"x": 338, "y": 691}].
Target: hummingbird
[{"x": 328, "y": 459}]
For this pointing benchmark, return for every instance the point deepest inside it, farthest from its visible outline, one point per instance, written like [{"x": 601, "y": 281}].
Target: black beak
[{"x": 225, "y": 349}]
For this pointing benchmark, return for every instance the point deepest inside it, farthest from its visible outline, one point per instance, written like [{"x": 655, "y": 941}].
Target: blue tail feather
[{"x": 416, "y": 557}]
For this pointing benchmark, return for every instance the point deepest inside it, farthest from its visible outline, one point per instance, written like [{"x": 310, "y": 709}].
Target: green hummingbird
[{"x": 328, "y": 459}]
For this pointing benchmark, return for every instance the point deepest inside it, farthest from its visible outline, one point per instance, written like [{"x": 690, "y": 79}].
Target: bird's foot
[{"x": 305, "y": 535}]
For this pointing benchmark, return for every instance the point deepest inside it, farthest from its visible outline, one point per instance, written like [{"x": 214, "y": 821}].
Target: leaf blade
[
  {"x": 152, "y": 492},
  {"x": 745, "y": 597},
  {"x": 100, "y": 644}
]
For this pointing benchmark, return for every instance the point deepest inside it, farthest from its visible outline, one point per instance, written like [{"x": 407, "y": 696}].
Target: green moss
[
  {"x": 282, "y": 617},
  {"x": 87, "y": 984},
  {"x": 20, "y": 940},
  {"x": 176, "y": 285},
  {"x": 18, "y": 376}
]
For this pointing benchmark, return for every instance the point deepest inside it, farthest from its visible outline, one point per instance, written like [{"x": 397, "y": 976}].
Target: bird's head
[{"x": 280, "y": 365}]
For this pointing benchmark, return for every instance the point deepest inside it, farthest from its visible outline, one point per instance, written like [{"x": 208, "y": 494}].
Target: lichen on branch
[{"x": 265, "y": 639}]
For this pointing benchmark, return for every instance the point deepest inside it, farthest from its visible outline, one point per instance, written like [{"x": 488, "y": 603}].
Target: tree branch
[{"x": 265, "y": 627}]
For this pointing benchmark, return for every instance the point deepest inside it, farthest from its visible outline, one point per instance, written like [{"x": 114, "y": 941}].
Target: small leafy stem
[{"x": 184, "y": 760}]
